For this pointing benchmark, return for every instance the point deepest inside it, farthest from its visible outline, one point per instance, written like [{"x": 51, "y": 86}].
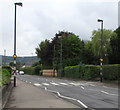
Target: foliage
[
  {"x": 37, "y": 70},
  {"x": 101, "y": 44},
  {"x": 28, "y": 70},
  {"x": 110, "y": 72},
  {"x": 114, "y": 57},
  {"x": 7, "y": 67},
  {"x": 91, "y": 72},
  {"x": 36, "y": 64},
  {"x": 44, "y": 51},
  {"x": 65, "y": 43},
  {"x": 32, "y": 70},
  {"x": 5, "y": 76},
  {"x": 86, "y": 72},
  {"x": 89, "y": 57}
]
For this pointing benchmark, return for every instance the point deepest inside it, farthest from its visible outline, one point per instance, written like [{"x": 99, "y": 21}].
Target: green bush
[
  {"x": 5, "y": 76},
  {"x": 91, "y": 72},
  {"x": 32, "y": 70},
  {"x": 7, "y": 67},
  {"x": 37, "y": 70},
  {"x": 82, "y": 71},
  {"x": 28, "y": 70},
  {"x": 110, "y": 72}
]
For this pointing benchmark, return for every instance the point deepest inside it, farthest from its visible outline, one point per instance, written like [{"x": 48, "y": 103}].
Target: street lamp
[
  {"x": 101, "y": 53},
  {"x": 15, "y": 56}
]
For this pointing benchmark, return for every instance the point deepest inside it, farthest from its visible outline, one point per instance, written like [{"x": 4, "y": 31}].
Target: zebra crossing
[{"x": 60, "y": 84}]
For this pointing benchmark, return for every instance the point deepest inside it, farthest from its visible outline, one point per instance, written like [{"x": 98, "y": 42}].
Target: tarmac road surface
[{"x": 81, "y": 93}]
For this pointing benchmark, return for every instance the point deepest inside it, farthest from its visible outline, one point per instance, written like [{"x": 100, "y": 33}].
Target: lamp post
[
  {"x": 101, "y": 50},
  {"x": 15, "y": 56}
]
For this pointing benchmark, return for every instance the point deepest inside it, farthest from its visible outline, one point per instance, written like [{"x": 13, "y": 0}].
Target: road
[{"x": 82, "y": 93}]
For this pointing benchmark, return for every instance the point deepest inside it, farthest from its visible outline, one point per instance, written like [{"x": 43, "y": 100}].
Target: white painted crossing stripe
[
  {"x": 104, "y": 92},
  {"x": 91, "y": 84},
  {"x": 108, "y": 93},
  {"x": 54, "y": 83},
  {"x": 82, "y": 87},
  {"x": 64, "y": 84},
  {"x": 37, "y": 84},
  {"x": 75, "y": 84},
  {"x": 72, "y": 84},
  {"x": 46, "y": 84}
]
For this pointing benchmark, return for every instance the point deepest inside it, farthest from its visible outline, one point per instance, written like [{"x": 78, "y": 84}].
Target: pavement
[{"x": 25, "y": 95}]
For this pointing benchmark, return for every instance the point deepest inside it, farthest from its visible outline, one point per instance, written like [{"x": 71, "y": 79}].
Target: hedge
[
  {"x": 32, "y": 70},
  {"x": 111, "y": 72},
  {"x": 82, "y": 71},
  {"x": 91, "y": 72},
  {"x": 28, "y": 70}
]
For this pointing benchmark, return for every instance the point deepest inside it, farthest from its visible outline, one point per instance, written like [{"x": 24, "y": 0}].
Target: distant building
[{"x": 119, "y": 13}]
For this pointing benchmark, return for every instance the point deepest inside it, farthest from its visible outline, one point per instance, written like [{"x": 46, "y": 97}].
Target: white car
[{"x": 21, "y": 73}]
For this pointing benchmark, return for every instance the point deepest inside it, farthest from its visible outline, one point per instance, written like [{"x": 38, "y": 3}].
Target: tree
[
  {"x": 101, "y": 44},
  {"x": 115, "y": 48},
  {"x": 44, "y": 51},
  {"x": 50, "y": 52},
  {"x": 71, "y": 49},
  {"x": 89, "y": 57}
]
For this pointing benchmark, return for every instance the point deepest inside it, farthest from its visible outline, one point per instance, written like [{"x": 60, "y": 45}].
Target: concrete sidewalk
[{"x": 28, "y": 96}]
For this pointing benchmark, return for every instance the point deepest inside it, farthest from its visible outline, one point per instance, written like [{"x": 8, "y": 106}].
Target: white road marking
[
  {"x": 54, "y": 83},
  {"x": 75, "y": 84},
  {"x": 91, "y": 84},
  {"x": 64, "y": 84},
  {"x": 82, "y": 103},
  {"x": 104, "y": 92},
  {"x": 82, "y": 87},
  {"x": 67, "y": 97},
  {"x": 108, "y": 93},
  {"x": 46, "y": 84},
  {"x": 37, "y": 84}
]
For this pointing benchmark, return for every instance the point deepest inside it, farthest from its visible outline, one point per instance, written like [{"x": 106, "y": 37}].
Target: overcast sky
[{"x": 38, "y": 20}]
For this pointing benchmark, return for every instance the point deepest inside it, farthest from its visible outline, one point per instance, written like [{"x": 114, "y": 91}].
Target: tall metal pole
[
  {"x": 101, "y": 51},
  {"x": 101, "y": 73},
  {"x": 15, "y": 49},
  {"x": 15, "y": 56}
]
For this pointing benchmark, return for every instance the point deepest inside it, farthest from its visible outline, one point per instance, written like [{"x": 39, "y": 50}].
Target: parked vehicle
[{"x": 21, "y": 72}]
